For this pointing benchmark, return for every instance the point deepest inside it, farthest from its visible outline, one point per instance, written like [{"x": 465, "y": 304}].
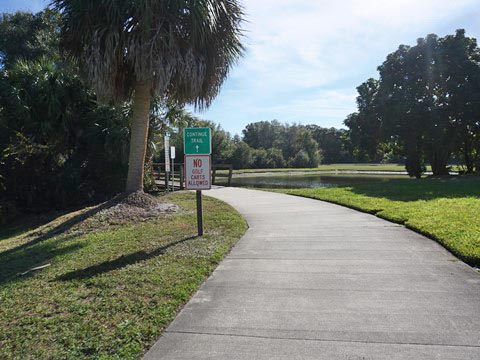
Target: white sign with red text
[
  {"x": 198, "y": 172},
  {"x": 167, "y": 153}
]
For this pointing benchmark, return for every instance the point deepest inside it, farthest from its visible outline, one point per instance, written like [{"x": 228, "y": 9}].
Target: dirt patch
[
  {"x": 123, "y": 209},
  {"x": 120, "y": 210}
]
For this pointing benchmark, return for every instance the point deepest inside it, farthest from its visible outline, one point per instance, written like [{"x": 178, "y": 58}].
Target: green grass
[
  {"x": 447, "y": 210},
  {"x": 334, "y": 168},
  {"x": 107, "y": 294},
  {"x": 330, "y": 167},
  {"x": 327, "y": 168}
]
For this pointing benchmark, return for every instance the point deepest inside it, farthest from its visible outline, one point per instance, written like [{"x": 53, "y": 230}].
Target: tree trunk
[
  {"x": 413, "y": 162},
  {"x": 138, "y": 137},
  {"x": 439, "y": 160},
  {"x": 467, "y": 152}
]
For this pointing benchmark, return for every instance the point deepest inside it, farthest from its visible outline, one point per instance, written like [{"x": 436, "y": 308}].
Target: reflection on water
[{"x": 308, "y": 180}]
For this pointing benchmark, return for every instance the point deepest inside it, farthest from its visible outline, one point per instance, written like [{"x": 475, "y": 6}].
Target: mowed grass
[
  {"x": 109, "y": 294},
  {"x": 332, "y": 167},
  {"x": 447, "y": 210},
  {"x": 329, "y": 168}
]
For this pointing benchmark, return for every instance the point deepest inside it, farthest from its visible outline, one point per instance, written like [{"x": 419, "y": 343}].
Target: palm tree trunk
[{"x": 138, "y": 137}]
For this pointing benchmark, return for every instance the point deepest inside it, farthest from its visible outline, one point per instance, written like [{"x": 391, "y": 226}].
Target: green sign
[{"x": 197, "y": 141}]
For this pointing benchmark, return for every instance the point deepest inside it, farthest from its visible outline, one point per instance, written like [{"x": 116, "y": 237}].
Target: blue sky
[{"x": 305, "y": 58}]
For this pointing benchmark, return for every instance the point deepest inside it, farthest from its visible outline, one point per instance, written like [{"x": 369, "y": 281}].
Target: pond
[{"x": 292, "y": 181}]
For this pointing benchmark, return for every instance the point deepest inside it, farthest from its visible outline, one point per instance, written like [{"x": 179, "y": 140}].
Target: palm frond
[{"x": 184, "y": 48}]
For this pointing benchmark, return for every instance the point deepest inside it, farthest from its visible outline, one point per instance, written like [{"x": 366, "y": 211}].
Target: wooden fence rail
[
  {"x": 160, "y": 174},
  {"x": 228, "y": 167}
]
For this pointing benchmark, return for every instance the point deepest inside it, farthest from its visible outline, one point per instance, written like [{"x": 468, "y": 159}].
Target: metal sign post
[
  {"x": 198, "y": 168},
  {"x": 167, "y": 161},
  {"x": 199, "y": 213},
  {"x": 172, "y": 156}
]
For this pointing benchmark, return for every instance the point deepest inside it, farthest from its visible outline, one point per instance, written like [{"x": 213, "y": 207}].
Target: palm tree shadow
[
  {"x": 66, "y": 225},
  {"x": 16, "y": 265},
  {"x": 120, "y": 262}
]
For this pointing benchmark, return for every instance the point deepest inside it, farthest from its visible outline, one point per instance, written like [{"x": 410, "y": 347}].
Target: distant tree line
[
  {"x": 424, "y": 107},
  {"x": 271, "y": 144}
]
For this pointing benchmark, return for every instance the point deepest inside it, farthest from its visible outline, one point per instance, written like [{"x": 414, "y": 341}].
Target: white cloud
[
  {"x": 330, "y": 104},
  {"x": 312, "y": 43},
  {"x": 306, "y": 57}
]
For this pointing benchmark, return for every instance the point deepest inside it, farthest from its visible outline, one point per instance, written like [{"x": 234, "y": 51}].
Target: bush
[
  {"x": 59, "y": 147},
  {"x": 242, "y": 157},
  {"x": 8, "y": 211},
  {"x": 301, "y": 160}
]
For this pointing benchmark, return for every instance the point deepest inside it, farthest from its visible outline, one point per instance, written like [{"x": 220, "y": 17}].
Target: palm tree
[{"x": 136, "y": 49}]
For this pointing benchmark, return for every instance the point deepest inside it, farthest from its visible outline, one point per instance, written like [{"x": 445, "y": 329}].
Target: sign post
[
  {"x": 167, "y": 161},
  {"x": 198, "y": 174},
  {"x": 199, "y": 213},
  {"x": 172, "y": 156}
]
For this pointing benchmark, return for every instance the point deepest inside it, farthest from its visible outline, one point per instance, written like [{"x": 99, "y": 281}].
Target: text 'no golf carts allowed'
[{"x": 198, "y": 172}]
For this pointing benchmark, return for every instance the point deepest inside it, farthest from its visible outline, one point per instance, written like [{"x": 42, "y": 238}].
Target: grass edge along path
[
  {"x": 108, "y": 294},
  {"x": 431, "y": 207}
]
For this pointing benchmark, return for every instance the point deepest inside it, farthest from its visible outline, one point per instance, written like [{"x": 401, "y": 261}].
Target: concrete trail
[{"x": 312, "y": 280}]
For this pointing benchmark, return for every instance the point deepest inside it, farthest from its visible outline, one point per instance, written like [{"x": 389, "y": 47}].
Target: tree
[
  {"x": 365, "y": 125},
  {"x": 242, "y": 157},
  {"x": 263, "y": 134},
  {"x": 425, "y": 106},
  {"x": 296, "y": 139},
  {"x": 181, "y": 50},
  {"x": 26, "y": 36},
  {"x": 330, "y": 141},
  {"x": 461, "y": 62},
  {"x": 430, "y": 98},
  {"x": 222, "y": 146},
  {"x": 58, "y": 148}
]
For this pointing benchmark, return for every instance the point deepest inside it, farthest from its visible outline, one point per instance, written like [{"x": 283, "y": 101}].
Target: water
[{"x": 293, "y": 181}]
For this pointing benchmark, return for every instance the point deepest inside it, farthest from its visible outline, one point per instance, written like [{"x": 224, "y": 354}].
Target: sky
[{"x": 305, "y": 58}]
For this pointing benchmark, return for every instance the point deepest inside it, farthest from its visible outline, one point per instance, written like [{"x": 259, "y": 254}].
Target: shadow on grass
[
  {"x": 16, "y": 262},
  {"x": 35, "y": 252},
  {"x": 407, "y": 190},
  {"x": 119, "y": 262},
  {"x": 58, "y": 229},
  {"x": 26, "y": 223},
  {"x": 379, "y": 186}
]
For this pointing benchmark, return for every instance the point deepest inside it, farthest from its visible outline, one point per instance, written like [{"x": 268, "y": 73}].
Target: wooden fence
[
  {"x": 163, "y": 179},
  {"x": 228, "y": 167}
]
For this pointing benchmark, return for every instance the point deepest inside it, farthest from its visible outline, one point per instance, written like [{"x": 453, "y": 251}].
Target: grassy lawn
[
  {"x": 107, "y": 294},
  {"x": 447, "y": 210},
  {"x": 328, "y": 168}
]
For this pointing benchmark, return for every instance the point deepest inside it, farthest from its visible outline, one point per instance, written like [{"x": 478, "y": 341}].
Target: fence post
[
  {"x": 230, "y": 173},
  {"x": 214, "y": 173},
  {"x": 182, "y": 180},
  {"x": 166, "y": 179}
]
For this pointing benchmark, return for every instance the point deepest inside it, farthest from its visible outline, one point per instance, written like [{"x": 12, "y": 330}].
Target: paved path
[{"x": 312, "y": 280}]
